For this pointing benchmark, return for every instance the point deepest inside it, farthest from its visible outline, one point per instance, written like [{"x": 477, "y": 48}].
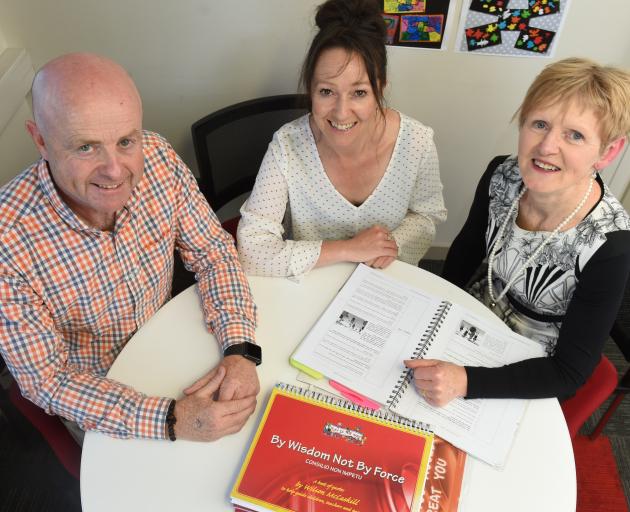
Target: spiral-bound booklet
[
  {"x": 376, "y": 322},
  {"x": 314, "y": 451}
]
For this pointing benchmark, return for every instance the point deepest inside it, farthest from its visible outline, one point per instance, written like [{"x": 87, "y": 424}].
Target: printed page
[
  {"x": 363, "y": 337},
  {"x": 485, "y": 428}
]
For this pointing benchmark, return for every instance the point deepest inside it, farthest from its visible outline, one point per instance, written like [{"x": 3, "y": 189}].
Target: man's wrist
[
  {"x": 249, "y": 351},
  {"x": 170, "y": 421}
]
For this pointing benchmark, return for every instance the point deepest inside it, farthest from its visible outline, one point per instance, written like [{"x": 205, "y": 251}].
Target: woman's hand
[
  {"x": 372, "y": 244},
  {"x": 438, "y": 381},
  {"x": 381, "y": 262}
]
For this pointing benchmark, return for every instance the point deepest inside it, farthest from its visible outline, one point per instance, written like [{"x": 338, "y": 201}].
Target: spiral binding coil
[
  {"x": 382, "y": 416},
  {"x": 423, "y": 346}
]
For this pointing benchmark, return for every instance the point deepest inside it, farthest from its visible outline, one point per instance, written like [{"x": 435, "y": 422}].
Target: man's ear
[
  {"x": 33, "y": 130},
  {"x": 611, "y": 152}
]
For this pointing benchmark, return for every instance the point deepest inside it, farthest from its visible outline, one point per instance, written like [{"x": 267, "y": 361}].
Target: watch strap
[
  {"x": 246, "y": 349},
  {"x": 171, "y": 420}
]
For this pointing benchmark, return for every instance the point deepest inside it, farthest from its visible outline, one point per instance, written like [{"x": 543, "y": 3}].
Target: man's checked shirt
[{"x": 71, "y": 296}]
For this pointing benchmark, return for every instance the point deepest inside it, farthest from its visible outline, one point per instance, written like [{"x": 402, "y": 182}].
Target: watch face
[{"x": 254, "y": 353}]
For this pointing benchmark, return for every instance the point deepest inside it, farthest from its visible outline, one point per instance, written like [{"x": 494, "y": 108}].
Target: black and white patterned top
[
  {"x": 294, "y": 206},
  {"x": 567, "y": 299}
]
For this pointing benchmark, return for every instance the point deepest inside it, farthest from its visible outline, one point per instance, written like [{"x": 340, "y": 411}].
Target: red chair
[
  {"x": 605, "y": 380},
  {"x": 620, "y": 393},
  {"x": 52, "y": 429},
  {"x": 590, "y": 396},
  {"x": 620, "y": 334}
]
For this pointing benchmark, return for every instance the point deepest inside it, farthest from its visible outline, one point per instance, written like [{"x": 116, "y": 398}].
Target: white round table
[{"x": 173, "y": 349}]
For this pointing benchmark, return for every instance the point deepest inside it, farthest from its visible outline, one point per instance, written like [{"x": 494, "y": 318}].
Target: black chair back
[{"x": 230, "y": 143}]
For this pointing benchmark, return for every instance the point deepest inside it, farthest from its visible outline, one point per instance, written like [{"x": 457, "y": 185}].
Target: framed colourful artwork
[
  {"x": 403, "y": 6},
  {"x": 416, "y": 23},
  {"x": 526, "y": 28}
]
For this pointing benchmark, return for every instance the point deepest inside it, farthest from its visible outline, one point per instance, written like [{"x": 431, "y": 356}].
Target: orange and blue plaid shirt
[{"x": 71, "y": 295}]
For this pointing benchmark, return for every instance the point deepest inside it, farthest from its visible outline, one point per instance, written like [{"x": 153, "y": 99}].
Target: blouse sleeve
[
  {"x": 263, "y": 249},
  {"x": 587, "y": 323},
  {"x": 415, "y": 233}
]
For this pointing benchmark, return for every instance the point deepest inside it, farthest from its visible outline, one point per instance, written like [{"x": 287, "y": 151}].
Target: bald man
[{"x": 87, "y": 236}]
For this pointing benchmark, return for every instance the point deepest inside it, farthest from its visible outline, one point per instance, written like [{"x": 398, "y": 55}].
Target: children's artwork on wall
[
  {"x": 421, "y": 28},
  {"x": 404, "y": 6},
  {"x": 417, "y": 23},
  {"x": 391, "y": 25},
  {"x": 526, "y": 28}
]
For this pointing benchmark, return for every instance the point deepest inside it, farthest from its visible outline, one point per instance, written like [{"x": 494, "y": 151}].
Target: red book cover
[
  {"x": 310, "y": 455},
  {"x": 444, "y": 480}
]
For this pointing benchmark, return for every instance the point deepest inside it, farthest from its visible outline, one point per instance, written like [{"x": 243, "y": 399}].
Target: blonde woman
[{"x": 546, "y": 245}]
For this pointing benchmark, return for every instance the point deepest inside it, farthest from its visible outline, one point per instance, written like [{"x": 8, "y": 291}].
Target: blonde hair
[{"x": 603, "y": 89}]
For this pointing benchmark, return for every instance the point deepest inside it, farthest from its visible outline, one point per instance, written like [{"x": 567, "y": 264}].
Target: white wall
[
  {"x": 191, "y": 57},
  {"x": 15, "y": 146},
  {"x": 188, "y": 57},
  {"x": 469, "y": 99}
]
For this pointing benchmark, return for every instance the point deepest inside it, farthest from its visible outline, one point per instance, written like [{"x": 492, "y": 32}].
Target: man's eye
[
  {"x": 84, "y": 148},
  {"x": 125, "y": 143},
  {"x": 325, "y": 92}
]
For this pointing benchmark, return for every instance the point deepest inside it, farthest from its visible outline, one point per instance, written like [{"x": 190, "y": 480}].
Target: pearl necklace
[{"x": 499, "y": 241}]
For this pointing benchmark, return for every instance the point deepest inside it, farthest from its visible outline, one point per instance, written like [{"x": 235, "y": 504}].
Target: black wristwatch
[{"x": 248, "y": 350}]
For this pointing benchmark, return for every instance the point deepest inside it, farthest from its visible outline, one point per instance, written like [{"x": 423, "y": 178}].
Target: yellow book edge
[{"x": 303, "y": 368}]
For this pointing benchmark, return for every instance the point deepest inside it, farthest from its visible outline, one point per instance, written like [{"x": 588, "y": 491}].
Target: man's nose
[{"x": 112, "y": 164}]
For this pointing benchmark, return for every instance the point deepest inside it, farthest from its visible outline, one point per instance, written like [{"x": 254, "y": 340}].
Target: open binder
[{"x": 376, "y": 322}]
